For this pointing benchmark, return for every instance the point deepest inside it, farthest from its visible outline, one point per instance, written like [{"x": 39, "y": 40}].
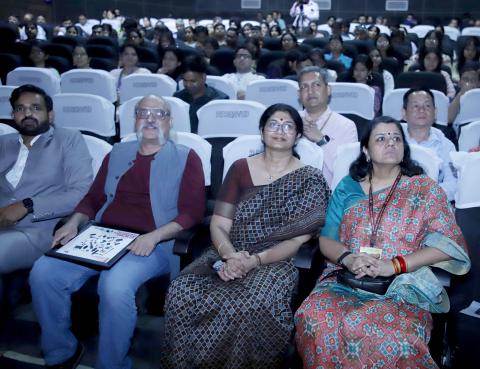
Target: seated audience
[
  {"x": 469, "y": 80},
  {"x": 275, "y": 31},
  {"x": 128, "y": 63},
  {"x": 38, "y": 56},
  {"x": 208, "y": 47},
  {"x": 153, "y": 186},
  {"x": 321, "y": 125},
  {"x": 239, "y": 315},
  {"x": 232, "y": 38},
  {"x": 196, "y": 92},
  {"x": 172, "y": 63},
  {"x": 243, "y": 62},
  {"x": 135, "y": 37},
  {"x": 419, "y": 112},
  {"x": 377, "y": 67},
  {"x": 288, "y": 41},
  {"x": 345, "y": 327},
  {"x": 335, "y": 46},
  {"x": 220, "y": 34},
  {"x": 44, "y": 172},
  {"x": 433, "y": 41},
  {"x": 431, "y": 61},
  {"x": 80, "y": 57},
  {"x": 469, "y": 53},
  {"x": 361, "y": 71}
]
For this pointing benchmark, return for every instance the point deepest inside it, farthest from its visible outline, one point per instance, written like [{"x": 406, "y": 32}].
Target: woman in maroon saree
[{"x": 269, "y": 205}]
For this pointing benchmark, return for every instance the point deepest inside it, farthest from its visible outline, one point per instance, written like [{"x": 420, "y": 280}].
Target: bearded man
[{"x": 152, "y": 186}]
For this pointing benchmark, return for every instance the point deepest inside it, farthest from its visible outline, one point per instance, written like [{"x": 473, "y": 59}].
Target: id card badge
[{"x": 371, "y": 251}]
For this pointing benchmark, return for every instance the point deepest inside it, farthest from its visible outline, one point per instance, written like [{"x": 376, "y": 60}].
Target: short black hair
[
  {"x": 19, "y": 91},
  {"x": 362, "y": 168},
  {"x": 196, "y": 64},
  {"x": 417, "y": 89}
]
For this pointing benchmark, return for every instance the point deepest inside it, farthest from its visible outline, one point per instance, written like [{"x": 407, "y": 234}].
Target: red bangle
[{"x": 403, "y": 263}]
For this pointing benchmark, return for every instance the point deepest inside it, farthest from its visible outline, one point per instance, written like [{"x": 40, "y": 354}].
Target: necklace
[
  {"x": 375, "y": 223},
  {"x": 271, "y": 176}
]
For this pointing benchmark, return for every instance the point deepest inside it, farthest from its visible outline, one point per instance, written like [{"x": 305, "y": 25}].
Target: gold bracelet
[
  {"x": 259, "y": 260},
  {"x": 396, "y": 266}
]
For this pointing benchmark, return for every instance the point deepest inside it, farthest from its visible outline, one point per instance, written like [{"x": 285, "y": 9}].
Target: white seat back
[
  {"x": 352, "y": 98},
  {"x": 40, "y": 77},
  {"x": 89, "y": 81},
  {"x": 98, "y": 149},
  {"x": 325, "y": 27},
  {"x": 273, "y": 91},
  {"x": 452, "y": 32},
  {"x": 5, "y": 107},
  {"x": 229, "y": 118},
  {"x": 201, "y": 146},
  {"x": 469, "y": 107},
  {"x": 146, "y": 84},
  {"x": 469, "y": 136},
  {"x": 85, "y": 112},
  {"x": 471, "y": 31},
  {"x": 179, "y": 114},
  {"x": 245, "y": 146},
  {"x": 6, "y": 129},
  {"x": 384, "y": 29},
  {"x": 347, "y": 153},
  {"x": 393, "y": 104},
  {"x": 467, "y": 164},
  {"x": 223, "y": 85},
  {"x": 421, "y": 30}
]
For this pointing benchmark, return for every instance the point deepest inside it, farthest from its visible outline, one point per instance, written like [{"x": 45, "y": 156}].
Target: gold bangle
[
  {"x": 396, "y": 266},
  {"x": 259, "y": 260}
]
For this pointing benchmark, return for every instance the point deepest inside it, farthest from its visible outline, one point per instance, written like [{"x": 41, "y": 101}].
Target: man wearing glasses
[
  {"x": 243, "y": 62},
  {"x": 321, "y": 125},
  {"x": 152, "y": 186}
]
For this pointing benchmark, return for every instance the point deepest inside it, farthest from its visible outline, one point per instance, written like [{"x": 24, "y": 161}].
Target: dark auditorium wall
[{"x": 58, "y": 9}]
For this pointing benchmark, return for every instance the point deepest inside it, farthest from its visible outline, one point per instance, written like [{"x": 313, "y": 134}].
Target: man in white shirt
[
  {"x": 321, "y": 125},
  {"x": 44, "y": 172},
  {"x": 304, "y": 12},
  {"x": 419, "y": 112},
  {"x": 243, "y": 62}
]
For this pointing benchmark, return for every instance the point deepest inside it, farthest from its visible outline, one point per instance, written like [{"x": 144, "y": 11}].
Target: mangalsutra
[{"x": 271, "y": 176}]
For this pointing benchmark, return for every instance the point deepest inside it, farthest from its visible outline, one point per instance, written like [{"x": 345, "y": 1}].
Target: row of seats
[{"x": 311, "y": 154}]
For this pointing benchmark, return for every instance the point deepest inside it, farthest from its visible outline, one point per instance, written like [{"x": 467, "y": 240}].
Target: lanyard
[{"x": 375, "y": 223}]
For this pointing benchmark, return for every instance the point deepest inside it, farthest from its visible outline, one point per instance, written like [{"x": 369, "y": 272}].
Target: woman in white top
[
  {"x": 128, "y": 64},
  {"x": 388, "y": 80}
]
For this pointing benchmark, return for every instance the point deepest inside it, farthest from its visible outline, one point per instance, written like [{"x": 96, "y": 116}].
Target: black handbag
[{"x": 378, "y": 285}]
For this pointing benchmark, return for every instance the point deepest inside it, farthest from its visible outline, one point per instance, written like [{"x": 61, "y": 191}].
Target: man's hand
[
  {"x": 11, "y": 214},
  {"x": 311, "y": 131},
  {"x": 143, "y": 244},
  {"x": 64, "y": 234}
]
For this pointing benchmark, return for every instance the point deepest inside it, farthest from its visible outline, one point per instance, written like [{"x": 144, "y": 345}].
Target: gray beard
[{"x": 161, "y": 140}]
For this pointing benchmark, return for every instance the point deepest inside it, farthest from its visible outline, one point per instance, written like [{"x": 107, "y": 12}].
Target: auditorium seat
[
  {"x": 144, "y": 84},
  {"x": 40, "y": 77},
  {"x": 273, "y": 91},
  {"x": 85, "y": 112},
  {"x": 469, "y": 136},
  {"x": 355, "y": 101},
  {"x": 89, "y": 81}
]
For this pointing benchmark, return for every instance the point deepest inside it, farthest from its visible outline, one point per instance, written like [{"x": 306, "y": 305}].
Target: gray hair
[
  {"x": 165, "y": 103},
  {"x": 314, "y": 69}
]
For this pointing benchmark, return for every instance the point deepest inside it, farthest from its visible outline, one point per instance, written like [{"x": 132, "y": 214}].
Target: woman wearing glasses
[{"x": 231, "y": 307}]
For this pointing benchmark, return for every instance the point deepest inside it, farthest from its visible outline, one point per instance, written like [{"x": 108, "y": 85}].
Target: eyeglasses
[
  {"x": 288, "y": 128},
  {"x": 23, "y": 109},
  {"x": 157, "y": 114}
]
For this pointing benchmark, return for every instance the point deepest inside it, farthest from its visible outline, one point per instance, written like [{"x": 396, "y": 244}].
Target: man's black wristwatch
[
  {"x": 28, "y": 203},
  {"x": 325, "y": 139}
]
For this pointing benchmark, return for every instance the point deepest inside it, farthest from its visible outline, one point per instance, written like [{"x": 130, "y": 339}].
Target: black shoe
[{"x": 72, "y": 362}]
